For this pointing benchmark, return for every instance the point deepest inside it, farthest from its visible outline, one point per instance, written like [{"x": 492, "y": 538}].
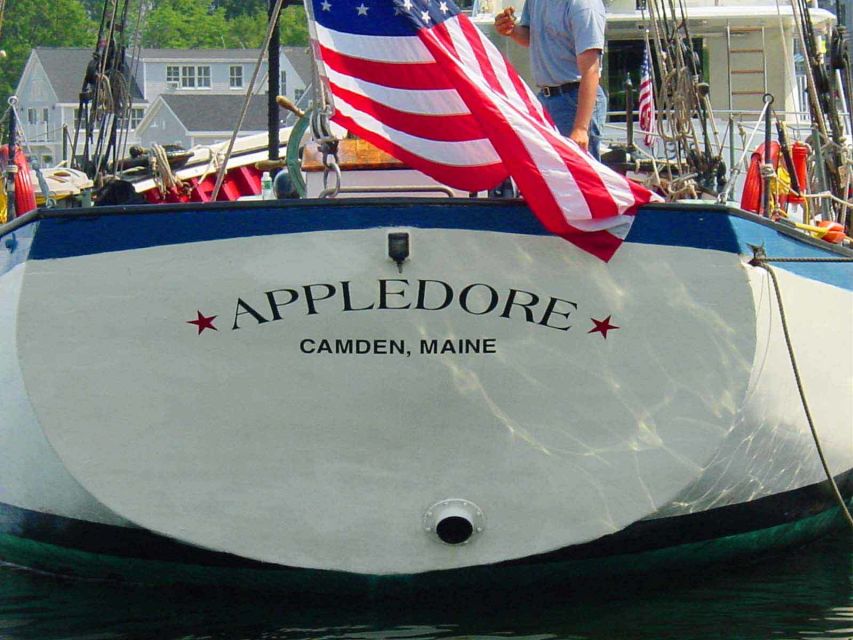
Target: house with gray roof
[
  {"x": 193, "y": 119},
  {"x": 48, "y": 97},
  {"x": 49, "y": 93}
]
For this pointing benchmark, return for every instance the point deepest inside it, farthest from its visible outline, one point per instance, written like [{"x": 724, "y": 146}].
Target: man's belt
[{"x": 559, "y": 90}]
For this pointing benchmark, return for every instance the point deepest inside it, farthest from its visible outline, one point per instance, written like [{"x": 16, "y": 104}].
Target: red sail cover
[{"x": 417, "y": 79}]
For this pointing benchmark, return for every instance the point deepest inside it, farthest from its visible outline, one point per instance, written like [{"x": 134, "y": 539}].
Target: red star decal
[
  {"x": 203, "y": 322},
  {"x": 602, "y": 327}
]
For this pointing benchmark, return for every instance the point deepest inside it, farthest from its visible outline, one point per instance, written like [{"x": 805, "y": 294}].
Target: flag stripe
[
  {"x": 426, "y": 102},
  {"x": 440, "y": 127},
  {"x": 406, "y": 49},
  {"x": 414, "y": 77},
  {"x": 466, "y": 30},
  {"x": 455, "y": 154},
  {"x": 463, "y": 31},
  {"x": 467, "y": 178}
]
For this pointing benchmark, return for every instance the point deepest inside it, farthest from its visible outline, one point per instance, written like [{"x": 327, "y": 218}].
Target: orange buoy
[{"x": 835, "y": 232}]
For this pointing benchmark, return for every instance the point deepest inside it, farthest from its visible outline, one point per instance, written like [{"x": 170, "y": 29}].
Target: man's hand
[
  {"x": 505, "y": 21},
  {"x": 590, "y": 67},
  {"x": 581, "y": 136}
]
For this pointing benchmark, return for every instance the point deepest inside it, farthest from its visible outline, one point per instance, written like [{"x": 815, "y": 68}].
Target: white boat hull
[{"x": 556, "y": 398}]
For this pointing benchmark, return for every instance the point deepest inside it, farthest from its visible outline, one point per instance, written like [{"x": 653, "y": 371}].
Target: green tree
[
  {"x": 185, "y": 24},
  {"x": 294, "y": 26},
  {"x": 234, "y": 8},
  {"x": 35, "y": 23}
]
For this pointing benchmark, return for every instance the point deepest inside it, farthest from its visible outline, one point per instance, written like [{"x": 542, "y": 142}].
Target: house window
[
  {"x": 297, "y": 94},
  {"x": 282, "y": 83},
  {"x": 203, "y": 74},
  {"x": 45, "y": 115},
  {"x": 136, "y": 115},
  {"x": 32, "y": 116},
  {"x": 173, "y": 74},
  {"x": 235, "y": 76},
  {"x": 188, "y": 77}
]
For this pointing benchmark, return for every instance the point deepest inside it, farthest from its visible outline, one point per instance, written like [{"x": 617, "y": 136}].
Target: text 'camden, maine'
[{"x": 398, "y": 347}]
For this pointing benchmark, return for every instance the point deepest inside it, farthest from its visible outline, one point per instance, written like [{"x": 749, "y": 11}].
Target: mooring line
[{"x": 759, "y": 260}]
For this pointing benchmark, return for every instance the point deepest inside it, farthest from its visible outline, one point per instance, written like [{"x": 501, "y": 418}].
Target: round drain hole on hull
[
  {"x": 454, "y": 529},
  {"x": 454, "y": 521}
]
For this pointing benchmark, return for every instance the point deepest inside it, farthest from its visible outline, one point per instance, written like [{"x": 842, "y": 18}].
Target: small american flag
[
  {"x": 648, "y": 122},
  {"x": 417, "y": 79}
]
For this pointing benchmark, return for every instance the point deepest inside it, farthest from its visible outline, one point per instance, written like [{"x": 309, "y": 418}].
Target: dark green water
[{"x": 804, "y": 593}]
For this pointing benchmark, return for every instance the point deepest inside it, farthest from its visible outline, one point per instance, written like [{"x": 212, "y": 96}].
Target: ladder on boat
[{"x": 747, "y": 66}]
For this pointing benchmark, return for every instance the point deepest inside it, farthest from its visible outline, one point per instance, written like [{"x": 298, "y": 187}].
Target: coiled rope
[
  {"x": 761, "y": 260},
  {"x": 164, "y": 177}
]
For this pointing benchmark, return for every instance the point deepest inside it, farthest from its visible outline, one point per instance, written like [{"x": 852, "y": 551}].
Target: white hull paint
[
  {"x": 31, "y": 474},
  {"x": 248, "y": 441}
]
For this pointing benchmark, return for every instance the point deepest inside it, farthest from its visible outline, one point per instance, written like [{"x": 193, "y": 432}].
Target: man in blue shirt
[{"x": 566, "y": 40}]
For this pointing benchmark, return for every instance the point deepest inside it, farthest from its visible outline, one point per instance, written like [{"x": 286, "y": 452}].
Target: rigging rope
[
  {"x": 164, "y": 177},
  {"x": 220, "y": 176},
  {"x": 683, "y": 98},
  {"x": 760, "y": 260}
]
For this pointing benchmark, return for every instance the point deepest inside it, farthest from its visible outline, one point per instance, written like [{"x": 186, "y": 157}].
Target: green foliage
[
  {"x": 235, "y": 8},
  {"x": 185, "y": 24},
  {"x": 35, "y": 23},
  {"x": 294, "y": 26},
  {"x": 179, "y": 24},
  {"x": 201, "y": 24}
]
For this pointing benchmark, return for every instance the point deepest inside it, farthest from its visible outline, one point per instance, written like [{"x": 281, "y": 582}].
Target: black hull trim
[
  {"x": 643, "y": 536},
  {"x": 661, "y": 533}
]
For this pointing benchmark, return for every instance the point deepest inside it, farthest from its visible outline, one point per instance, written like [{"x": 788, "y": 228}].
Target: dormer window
[
  {"x": 188, "y": 77},
  {"x": 235, "y": 76},
  {"x": 173, "y": 75},
  {"x": 203, "y": 76}
]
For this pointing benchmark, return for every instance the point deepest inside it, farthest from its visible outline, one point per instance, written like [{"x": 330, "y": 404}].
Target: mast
[
  {"x": 106, "y": 93},
  {"x": 273, "y": 65},
  {"x": 12, "y": 168}
]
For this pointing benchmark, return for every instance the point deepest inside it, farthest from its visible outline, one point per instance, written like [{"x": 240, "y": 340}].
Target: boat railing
[{"x": 739, "y": 134}]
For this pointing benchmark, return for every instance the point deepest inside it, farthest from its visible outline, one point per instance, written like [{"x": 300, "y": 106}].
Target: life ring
[
  {"x": 25, "y": 195},
  {"x": 832, "y": 231},
  {"x": 750, "y": 199}
]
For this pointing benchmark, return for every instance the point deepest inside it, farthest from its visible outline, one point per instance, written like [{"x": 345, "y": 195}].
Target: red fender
[
  {"x": 25, "y": 195},
  {"x": 750, "y": 199}
]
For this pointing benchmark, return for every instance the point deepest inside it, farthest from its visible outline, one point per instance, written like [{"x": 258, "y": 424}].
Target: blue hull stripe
[
  {"x": 61, "y": 238},
  {"x": 109, "y": 229}
]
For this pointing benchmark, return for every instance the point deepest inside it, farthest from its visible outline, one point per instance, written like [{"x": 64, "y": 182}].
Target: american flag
[
  {"x": 417, "y": 79},
  {"x": 648, "y": 122}
]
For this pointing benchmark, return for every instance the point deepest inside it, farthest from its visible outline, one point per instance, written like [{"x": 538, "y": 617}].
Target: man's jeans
[{"x": 563, "y": 108}]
